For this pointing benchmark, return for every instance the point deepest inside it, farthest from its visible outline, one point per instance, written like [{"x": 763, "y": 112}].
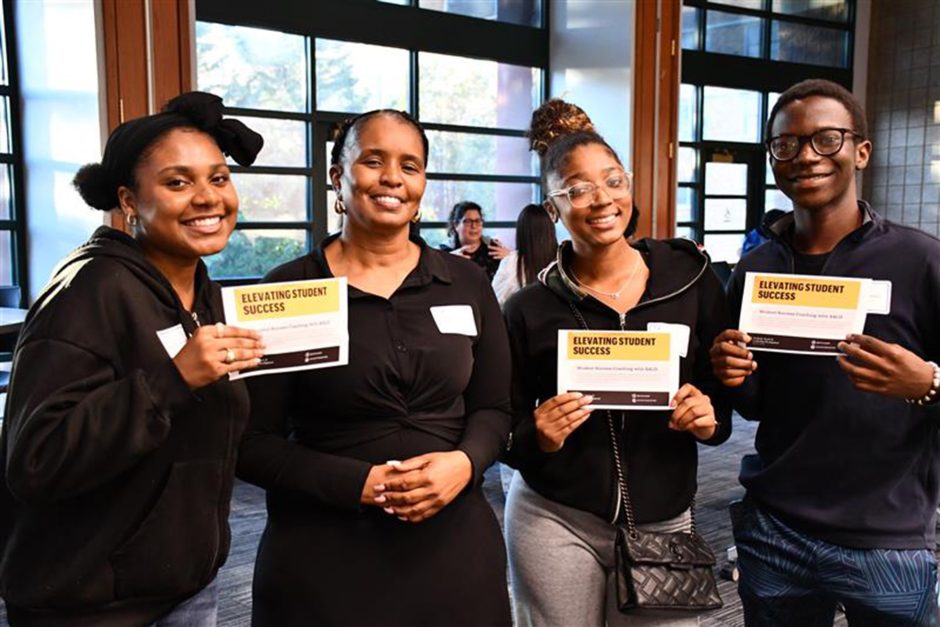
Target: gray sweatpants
[{"x": 561, "y": 565}]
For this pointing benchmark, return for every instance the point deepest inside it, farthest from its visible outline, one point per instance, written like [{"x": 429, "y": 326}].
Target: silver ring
[
  {"x": 229, "y": 356},
  {"x": 219, "y": 329}
]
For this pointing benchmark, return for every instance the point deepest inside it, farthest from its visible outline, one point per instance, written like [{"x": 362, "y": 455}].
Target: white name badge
[
  {"x": 173, "y": 339},
  {"x": 879, "y": 298},
  {"x": 680, "y": 335},
  {"x": 456, "y": 319}
]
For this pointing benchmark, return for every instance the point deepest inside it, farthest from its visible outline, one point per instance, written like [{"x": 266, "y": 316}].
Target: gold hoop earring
[
  {"x": 339, "y": 206},
  {"x": 417, "y": 216}
]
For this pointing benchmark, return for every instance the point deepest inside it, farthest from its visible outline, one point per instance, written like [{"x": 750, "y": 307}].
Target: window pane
[
  {"x": 359, "y": 77},
  {"x": 725, "y": 179},
  {"x": 836, "y": 10},
  {"x": 252, "y": 67},
  {"x": 775, "y": 199},
  {"x": 732, "y": 33},
  {"x": 687, "y": 166},
  {"x": 817, "y": 45},
  {"x": 5, "y": 124},
  {"x": 690, "y": 19},
  {"x": 724, "y": 247},
  {"x": 3, "y": 48},
  {"x": 252, "y": 253},
  {"x": 731, "y": 115},
  {"x": 687, "y": 112},
  {"x": 685, "y": 204},
  {"x": 524, "y": 12},
  {"x": 725, "y": 214},
  {"x": 6, "y": 258},
  {"x": 744, "y": 4},
  {"x": 500, "y": 201},
  {"x": 435, "y": 237},
  {"x": 285, "y": 141},
  {"x": 472, "y": 92},
  {"x": 472, "y": 153},
  {"x": 271, "y": 197},
  {"x": 6, "y": 197},
  {"x": 687, "y": 232}
]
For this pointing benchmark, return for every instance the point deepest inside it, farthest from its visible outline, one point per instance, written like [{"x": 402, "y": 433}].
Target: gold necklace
[{"x": 611, "y": 295}]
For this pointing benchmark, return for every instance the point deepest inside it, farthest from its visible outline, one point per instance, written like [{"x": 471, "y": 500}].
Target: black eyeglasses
[{"x": 825, "y": 142}]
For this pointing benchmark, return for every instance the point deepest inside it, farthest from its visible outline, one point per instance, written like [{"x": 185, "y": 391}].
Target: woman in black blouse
[
  {"x": 465, "y": 227},
  {"x": 373, "y": 470}
]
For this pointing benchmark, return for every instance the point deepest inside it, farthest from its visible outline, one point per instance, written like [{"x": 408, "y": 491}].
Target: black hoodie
[
  {"x": 116, "y": 478},
  {"x": 848, "y": 467},
  {"x": 661, "y": 463}
]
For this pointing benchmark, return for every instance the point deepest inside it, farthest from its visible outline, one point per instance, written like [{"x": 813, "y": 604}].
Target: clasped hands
[
  {"x": 872, "y": 365},
  {"x": 417, "y": 488}
]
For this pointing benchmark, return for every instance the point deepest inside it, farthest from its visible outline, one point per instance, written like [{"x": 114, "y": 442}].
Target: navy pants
[{"x": 789, "y": 578}]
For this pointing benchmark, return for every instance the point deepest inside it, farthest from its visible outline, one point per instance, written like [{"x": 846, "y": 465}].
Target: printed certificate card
[
  {"x": 303, "y": 324},
  {"x": 620, "y": 369},
  {"x": 788, "y": 313}
]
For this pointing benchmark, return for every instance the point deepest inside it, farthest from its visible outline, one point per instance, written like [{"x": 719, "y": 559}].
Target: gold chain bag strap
[{"x": 658, "y": 570}]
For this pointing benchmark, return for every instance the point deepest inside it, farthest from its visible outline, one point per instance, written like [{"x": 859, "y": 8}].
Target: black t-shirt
[{"x": 804, "y": 263}]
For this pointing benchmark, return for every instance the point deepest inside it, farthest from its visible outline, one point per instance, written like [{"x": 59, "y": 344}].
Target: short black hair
[
  {"x": 824, "y": 89},
  {"x": 356, "y": 122},
  {"x": 457, "y": 214}
]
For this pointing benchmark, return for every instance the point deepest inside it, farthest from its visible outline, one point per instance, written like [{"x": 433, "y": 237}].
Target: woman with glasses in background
[
  {"x": 562, "y": 506},
  {"x": 466, "y": 231}
]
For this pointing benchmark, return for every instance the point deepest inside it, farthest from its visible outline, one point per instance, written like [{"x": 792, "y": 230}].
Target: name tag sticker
[
  {"x": 173, "y": 339},
  {"x": 879, "y": 298},
  {"x": 456, "y": 319},
  {"x": 680, "y": 334}
]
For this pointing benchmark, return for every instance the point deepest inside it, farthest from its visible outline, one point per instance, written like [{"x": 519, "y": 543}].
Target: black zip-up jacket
[
  {"x": 660, "y": 463},
  {"x": 116, "y": 479},
  {"x": 851, "y": 468}
]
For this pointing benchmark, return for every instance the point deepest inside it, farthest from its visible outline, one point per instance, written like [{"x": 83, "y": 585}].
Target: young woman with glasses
[
  {"x": 466, "y": 232},
  {"x": 563, "y": 503}
]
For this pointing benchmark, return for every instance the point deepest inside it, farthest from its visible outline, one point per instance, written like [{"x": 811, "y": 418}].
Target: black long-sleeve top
[
  {"x": 408, "y": 389},
  {"x": 852, "y": 468},
  {"x": 660, "y": 463}
]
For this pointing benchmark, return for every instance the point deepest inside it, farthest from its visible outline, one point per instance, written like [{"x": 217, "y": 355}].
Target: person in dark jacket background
[
  {"x": 118, "y": 450},
  {"x": 563, "y": 503},
  {"x": 465, "y": 227},
  {"x": 842, "y": 493}
]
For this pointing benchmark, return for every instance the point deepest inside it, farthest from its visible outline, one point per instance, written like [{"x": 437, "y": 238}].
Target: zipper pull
[
  {"x": 195, "y": 318},
  {"x": 623, "y": 322}
]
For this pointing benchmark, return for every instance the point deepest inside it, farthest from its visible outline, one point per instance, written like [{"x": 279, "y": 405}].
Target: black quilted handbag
[{"x": 660, "y": 570}]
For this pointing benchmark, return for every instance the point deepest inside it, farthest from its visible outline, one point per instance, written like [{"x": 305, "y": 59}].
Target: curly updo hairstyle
[
  {"x": 132, "y": 141},
  {"x": 556, "y": 129}
]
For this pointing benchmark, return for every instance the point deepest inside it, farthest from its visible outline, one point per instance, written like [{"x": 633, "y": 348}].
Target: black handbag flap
[{"x": 677, "y": 550}]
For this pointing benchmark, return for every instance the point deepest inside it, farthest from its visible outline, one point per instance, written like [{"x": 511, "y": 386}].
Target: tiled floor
[{"x": 718, "y": 469}]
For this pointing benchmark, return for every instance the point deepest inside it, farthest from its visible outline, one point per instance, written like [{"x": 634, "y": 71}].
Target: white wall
[
  {"x": 591, "y": 57},
  {"x": 58, "y": 60}
]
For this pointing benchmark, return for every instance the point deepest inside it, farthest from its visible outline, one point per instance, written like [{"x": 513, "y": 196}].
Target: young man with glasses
[{"x": 843, "y": 490}]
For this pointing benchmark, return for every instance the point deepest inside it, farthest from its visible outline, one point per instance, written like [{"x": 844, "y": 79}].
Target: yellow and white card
[
  {"x": 794, "y": 313},
  {"x": 303, "y": 324},
  {"x": 620, "y": 369}
]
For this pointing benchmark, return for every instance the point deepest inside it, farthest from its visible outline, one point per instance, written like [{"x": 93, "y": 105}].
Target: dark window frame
[
  {"x": 14, "y": 159},
  {"x": 368, "y": 22},
  {"x": 764, "y": 75}
]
